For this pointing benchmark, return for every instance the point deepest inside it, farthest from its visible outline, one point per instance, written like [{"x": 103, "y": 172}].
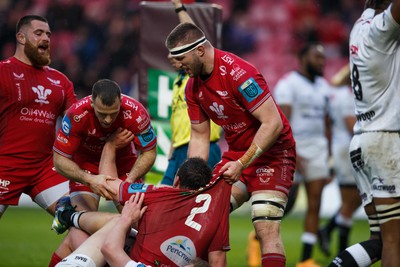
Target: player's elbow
[{"x": 57, "y": 161}]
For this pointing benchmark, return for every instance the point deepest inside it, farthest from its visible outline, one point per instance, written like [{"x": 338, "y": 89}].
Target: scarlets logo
[
  {"x": 42, "y": 94},
  {"x": 219, "y": 109}
]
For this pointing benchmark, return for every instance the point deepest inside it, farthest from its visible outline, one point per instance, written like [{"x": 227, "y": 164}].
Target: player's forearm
[
  {"x": 265, "y": 137},
  {"x": 182, "y": 14},
  {"x": 112, "y": 248},
  {"x": 69, "y": 169},
  {"x": 107, "y": 164},
  {"x": 199, "y": 145},
  {"x": 142, "y": 165},
  {"x": 217, "y": 258}
]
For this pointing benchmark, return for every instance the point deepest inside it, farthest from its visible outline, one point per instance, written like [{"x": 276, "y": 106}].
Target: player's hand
[
  {"x": 231, "y": 171},
  {"x": 120, "y": 138},
  {"x": 99, "y": 186},
  {"x": 133, "y": 209}
]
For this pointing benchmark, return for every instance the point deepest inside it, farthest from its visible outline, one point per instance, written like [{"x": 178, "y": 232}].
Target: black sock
[
  {"x": 331, "y": 224},
  {"x": 307, "y": 250},
  {"x": 344, "y": 232},
  {"x": 347, "y": 258}
]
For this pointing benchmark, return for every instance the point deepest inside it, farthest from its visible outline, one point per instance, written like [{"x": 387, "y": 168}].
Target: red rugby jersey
[{"x": 31, "y": 99}]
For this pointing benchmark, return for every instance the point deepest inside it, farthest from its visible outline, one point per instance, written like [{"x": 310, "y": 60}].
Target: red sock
[
  {"x": 273, "y": 260},
  {"x": 54, "y": 260}
]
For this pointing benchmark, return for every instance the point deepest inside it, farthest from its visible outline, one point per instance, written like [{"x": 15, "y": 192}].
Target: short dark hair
[
  {"x": 194, "y": 173},
  {"x": 184, "y": 32},
  {"x": 107, "y": 90},
  {"x": 26, "y": 20},
  {"x": 306, "y": 48}
]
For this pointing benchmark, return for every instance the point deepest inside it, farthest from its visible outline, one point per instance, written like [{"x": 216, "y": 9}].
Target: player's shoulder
[
  {"x": 81, "y": 106},
  {"x": 56, "y": 75},
  {"x": 130, "y": 103},
  {"x": 6, "y": 63}
]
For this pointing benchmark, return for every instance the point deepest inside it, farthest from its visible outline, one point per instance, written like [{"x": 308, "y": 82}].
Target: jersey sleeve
[
  {"x": 196, "y": 113},
  {"x": 253, "y": 91},
  {"x": 140, "y": 125},
  {"x": 67, "y": 139},
  {"x": 145, "y": 140},
  {"x": 71, "y": 96},
  {"x": 384, "y": 32}
]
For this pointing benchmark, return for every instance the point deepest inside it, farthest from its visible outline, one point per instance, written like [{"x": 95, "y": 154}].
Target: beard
[
  {"x": 313, "y": 71},
  {"x": 37, "y": 59}
]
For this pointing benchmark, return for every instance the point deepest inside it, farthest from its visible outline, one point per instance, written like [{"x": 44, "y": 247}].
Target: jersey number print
[{"x": 189, "y": 220}]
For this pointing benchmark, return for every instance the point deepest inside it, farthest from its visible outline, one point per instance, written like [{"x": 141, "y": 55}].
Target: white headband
[{"x": 180, "y": 50}]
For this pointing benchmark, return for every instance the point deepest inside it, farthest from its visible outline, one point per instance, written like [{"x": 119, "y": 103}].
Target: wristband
[
  {"x": 252, "y": 153},
  {"x": 179, "y": 9}
]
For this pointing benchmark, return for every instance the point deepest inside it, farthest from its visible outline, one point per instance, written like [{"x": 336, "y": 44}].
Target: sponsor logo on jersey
[
  {"x": 143, "y": 120},
  {"x": 250, "y": 89},
  {"x": 227, "y": 59},
  {"x": 237, "y": 72},
  {"x": 42, "y": 94},
  {"x": 264, "y": 180},
  {"x": 131, "y": 104},
  {"x": 179, "y": 249},
  {"x": 54, "y": 82},
  {"x": 81, "y": 258},
  {"x": 367, "y": 116},
  {"x": 377, "y": 184},
  {"x": 78, "y": 118},
  {"x": 222, "y": 70},
  {"x": 80, "y": 103},
  {"x": 137, "y": 188},
  {"x": 66, "y": 125},
  {"x": 236, "y": 127},
  {"x": 353, "y": 50},
  {"x": 147, "y": 136},
  {"x": 356, "y": 159},
  {"x": 18, "y": 76},
  {"x": 127, "y": 114},
  {"x": 222, "y": 93},
  {"x": 4, "y": 184},
  {"x": 219, "y": 109},
  {"x": 25, "y": 112},
  {"x": 265, "y": 171},
  {"x": 62, "y": 139}
]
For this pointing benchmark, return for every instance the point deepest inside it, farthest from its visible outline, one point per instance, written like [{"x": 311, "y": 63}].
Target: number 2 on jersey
[{"x": 189, "y": 220}]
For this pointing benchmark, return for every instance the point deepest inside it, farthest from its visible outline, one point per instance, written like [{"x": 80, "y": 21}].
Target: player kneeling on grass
[{"x": 171, "y": 222}]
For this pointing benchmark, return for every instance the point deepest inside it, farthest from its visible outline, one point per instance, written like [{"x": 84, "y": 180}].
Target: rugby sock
[
  {"x": 359, "y": 255},
  {"x": 344, "y": 233},
  {"x": 308, "y": 239},
  {"x": 344, "y": 227},
  {"x": 331, "y": 224},
  {"x": 72, "y": 217},
  {"x": 273, "y": 260},
  {"x": 54, "y": 260}
]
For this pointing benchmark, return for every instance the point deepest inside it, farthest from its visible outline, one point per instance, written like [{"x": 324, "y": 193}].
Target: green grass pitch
[{"x": 27, "y": 241}]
